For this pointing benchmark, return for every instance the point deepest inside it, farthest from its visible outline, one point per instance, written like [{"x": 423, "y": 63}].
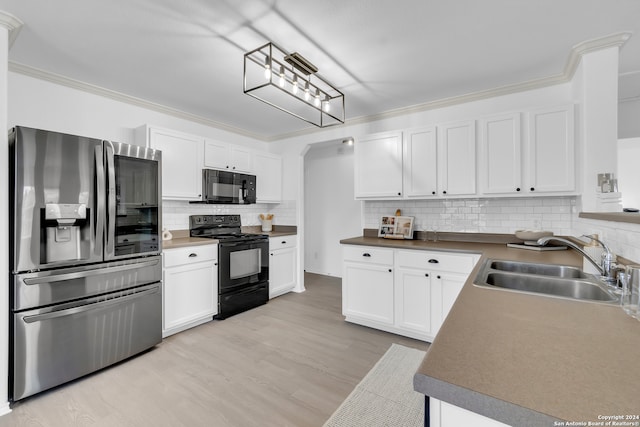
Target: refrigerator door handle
[
  {"x": 111, "y": 202},
  {"x": 88, "y": 273},
  {"x": 100, "y": 200},
  {"x": 88, "y": 306}
]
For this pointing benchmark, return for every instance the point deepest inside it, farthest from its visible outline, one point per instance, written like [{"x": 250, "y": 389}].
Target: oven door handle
[
  {"x": 248, "y": 244},
  {"x": 87, "y": 307}
]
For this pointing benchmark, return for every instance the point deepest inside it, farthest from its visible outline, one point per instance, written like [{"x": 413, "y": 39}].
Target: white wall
[
  {"x": 629, "y": 171},
  {"x": 4, "y": 224},
  {"x": 629, "y": 118},
  {"x": 45, "y": 105},
  {"x": 330, "y": 211}
]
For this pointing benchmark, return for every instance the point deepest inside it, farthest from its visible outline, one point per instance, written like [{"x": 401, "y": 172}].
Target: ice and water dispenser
[{"x": 64, "y": 226}]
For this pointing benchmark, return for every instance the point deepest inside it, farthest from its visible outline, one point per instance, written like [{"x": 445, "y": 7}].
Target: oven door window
[{"x": 244, "y": 263}]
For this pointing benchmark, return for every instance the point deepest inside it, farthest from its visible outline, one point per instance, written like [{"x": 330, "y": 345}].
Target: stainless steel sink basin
[
  {"x": 540, "y": 269},
  {"x": 567, "y": 288},
  {"x": 552, "y": 280}
]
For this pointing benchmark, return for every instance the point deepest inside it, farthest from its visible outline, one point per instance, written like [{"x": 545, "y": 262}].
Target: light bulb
[
  {"x": 267, "y": 68},
  {"x": 326, "y": 105},
  {"x": 306, "y": 91},
  {"x": 281, "y": 76},
  {"x": 294, "y": 87},
  {"x": 316, "y": 101}
]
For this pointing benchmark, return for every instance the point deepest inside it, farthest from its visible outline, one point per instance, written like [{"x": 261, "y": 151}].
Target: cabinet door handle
[
  {"x": 389, "y": 270},
  {"x": 433, "y": 192},
  {"x": 367, "y": 254},
  {"x": 444, "y": 192},
  {"x": 439, "y": 277},
  {"x": 426, "y": 274},
  {"x": 518, "y": 189},
  {"x": 192, "y": 255},
  {"x": 532, "y": 189},
  {"x": 284, "y": 242},
  {"x": 399, "y": 194},
  {"x": 433, "y": 261}
]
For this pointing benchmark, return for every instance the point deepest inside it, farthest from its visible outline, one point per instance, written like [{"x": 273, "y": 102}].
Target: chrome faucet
[{"x": 606, "y": 267}]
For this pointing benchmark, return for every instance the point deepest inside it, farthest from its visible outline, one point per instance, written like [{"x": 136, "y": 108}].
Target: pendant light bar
[{"x": 291, "y": 84}]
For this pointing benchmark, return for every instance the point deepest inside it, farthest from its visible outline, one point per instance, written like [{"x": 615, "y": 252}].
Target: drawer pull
[
  {"x": 192, "y": 255},
  {"x": 426, "y": 274},
  {"x": 284, "y": 242},
  {"x": 433, "y": 261},
  {"x": 367, "y": 254},
  {"x": 439, "y": 277}
]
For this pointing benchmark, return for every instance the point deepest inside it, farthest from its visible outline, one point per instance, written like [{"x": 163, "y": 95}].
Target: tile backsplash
[
  {"x": 480, "y": 215},
  {"x": 175, "y": 214}
]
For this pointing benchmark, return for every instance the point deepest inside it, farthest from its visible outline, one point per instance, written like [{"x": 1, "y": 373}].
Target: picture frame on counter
[{"x": 396, "y": 227}]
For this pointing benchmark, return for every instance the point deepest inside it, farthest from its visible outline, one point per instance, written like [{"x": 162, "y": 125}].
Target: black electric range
[{"x": 243, "y": 262}]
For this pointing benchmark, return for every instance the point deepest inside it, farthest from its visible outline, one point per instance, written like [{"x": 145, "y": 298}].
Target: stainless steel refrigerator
[{"x": 85, "y": 240}]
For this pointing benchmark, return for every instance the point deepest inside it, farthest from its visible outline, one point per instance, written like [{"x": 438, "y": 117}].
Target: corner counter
[{"x": 528, "y": 360}]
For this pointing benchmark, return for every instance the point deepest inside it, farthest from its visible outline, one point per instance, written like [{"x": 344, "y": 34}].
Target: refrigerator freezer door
[
  {"x": 58, "y": 171},
  {"x": 60, "y": 343},
  {"x": 43, "y": 288}
]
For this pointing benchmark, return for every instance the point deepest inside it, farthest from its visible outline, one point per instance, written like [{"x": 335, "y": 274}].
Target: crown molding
[
  {"x": 12, "y": 24},
  {"x": 575, "y": 56},
  {"x": 132, "y": 100},
  {"x": 588, "y": 46}
]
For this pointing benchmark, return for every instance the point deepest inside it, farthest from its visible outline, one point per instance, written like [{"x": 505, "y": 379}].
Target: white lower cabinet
[
  {"x": 367, "y": 286},
  {"x": 443, "y": 414},
  {"x": 408, "y": 292},
  {"x": 190, "y": 287},
  {"x": 282, "y": 265}
]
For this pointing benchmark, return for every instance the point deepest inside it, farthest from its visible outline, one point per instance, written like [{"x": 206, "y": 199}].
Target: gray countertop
[{"x": 529, "y": 360}]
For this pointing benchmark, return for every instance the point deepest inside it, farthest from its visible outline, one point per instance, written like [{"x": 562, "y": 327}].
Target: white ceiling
[{"x": 383, "y": 54}]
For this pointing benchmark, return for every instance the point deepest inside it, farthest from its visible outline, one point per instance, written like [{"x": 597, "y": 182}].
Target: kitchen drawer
[
  {"x": 368, "y": 254},
  {"x": 190, "y": 255},
  {"x": 437, "y": 261},
  {"x": 282, "y": 242}
]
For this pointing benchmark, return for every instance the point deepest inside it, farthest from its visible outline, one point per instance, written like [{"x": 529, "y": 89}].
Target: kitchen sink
[
  {"x": 561, "y": 287},
  {"x": 540, "y": 269},
  {"x": 561, "y": 281}
]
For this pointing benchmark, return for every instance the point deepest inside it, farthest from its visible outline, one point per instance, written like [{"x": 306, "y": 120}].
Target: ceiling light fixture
[{"x": 320, "y": 103}]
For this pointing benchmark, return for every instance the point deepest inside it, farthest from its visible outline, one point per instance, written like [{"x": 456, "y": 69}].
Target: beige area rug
[{"x": 385, "y": 396}]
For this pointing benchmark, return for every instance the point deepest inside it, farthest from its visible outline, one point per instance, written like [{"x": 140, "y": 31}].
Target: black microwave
[{"x": 226, "y": 187}]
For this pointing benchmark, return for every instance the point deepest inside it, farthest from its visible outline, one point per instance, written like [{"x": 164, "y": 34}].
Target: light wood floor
[{"x": 288, "y": 363}]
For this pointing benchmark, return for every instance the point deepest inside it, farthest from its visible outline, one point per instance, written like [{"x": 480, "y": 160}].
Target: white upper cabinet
[
  {"x": 268, "y": 170},
  {"x": 181, "y": 161},
  {"x": 552, "y": 150},
  {"x": 457, "y": 158},
  {"x": 420, "y": 163},
  {"x": 501, "y": 154},
  {"x": 378, "y": 166},
  {"x": 221, "y": 155}
]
